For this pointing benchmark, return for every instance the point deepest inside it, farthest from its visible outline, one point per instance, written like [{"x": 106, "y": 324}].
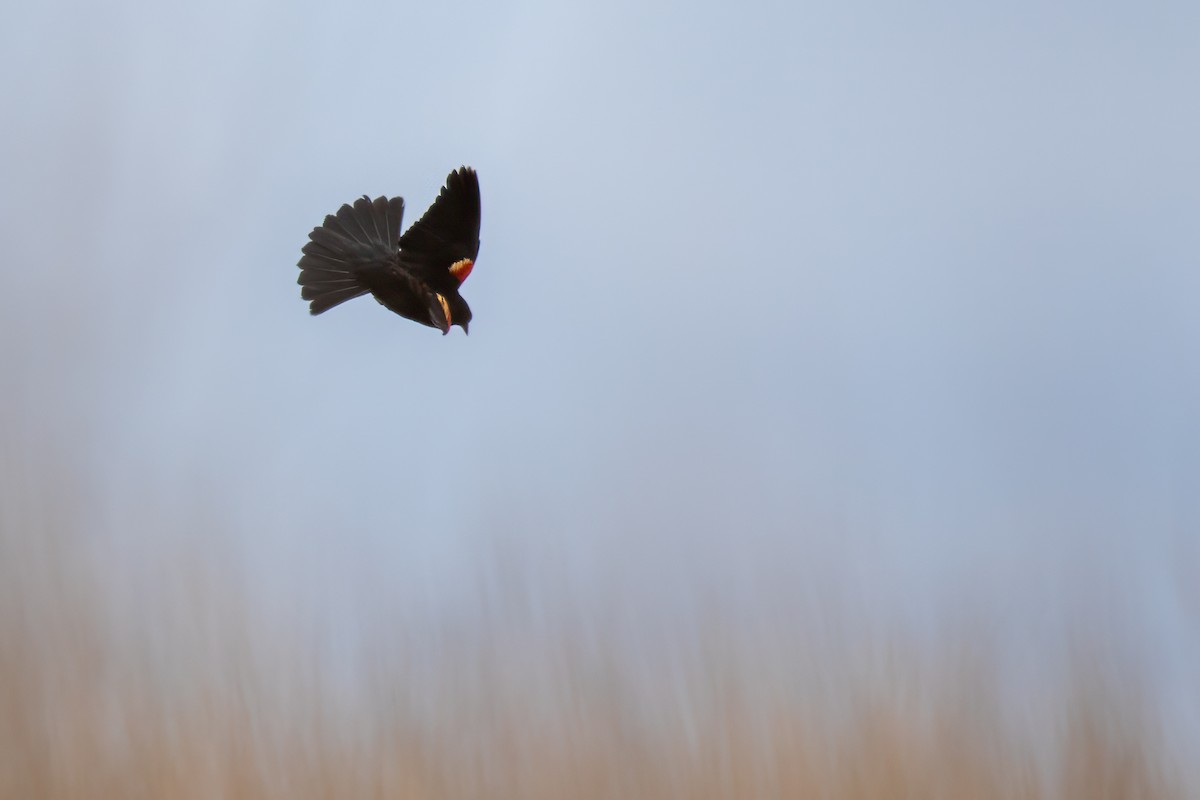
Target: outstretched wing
[{"x": 446, "y": 238}]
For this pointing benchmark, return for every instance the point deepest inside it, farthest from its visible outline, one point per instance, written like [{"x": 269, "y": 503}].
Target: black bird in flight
[{"x": 417, "y": 275}]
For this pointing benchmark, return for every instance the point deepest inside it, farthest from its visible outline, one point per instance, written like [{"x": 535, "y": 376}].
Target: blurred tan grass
[{"x": 200, "y": 698}]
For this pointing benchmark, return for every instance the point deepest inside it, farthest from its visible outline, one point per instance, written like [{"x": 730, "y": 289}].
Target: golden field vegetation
[{"x": 189, "y": 692}]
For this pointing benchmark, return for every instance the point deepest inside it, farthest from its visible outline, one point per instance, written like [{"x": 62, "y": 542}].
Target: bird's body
[{"x": 360, "y": 250}]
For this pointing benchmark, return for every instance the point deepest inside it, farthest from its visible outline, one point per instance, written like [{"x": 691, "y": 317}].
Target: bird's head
[{"x": 448, "y": 310}]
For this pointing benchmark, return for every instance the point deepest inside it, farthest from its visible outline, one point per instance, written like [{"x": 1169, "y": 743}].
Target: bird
[{"x": 359, "y": 250}]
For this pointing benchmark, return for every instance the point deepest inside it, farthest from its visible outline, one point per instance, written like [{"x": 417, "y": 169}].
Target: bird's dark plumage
[{"x": 417, "y": 275}]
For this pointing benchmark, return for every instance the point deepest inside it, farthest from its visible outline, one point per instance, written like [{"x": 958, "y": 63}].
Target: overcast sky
[{"x": 887, "y": 308}]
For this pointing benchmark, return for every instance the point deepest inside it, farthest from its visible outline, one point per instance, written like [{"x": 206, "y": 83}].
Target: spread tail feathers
[{"x": 357, "y": 236}]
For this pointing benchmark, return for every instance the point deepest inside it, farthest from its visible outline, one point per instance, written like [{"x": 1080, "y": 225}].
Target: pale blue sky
[{"x": 891, "y": 308}]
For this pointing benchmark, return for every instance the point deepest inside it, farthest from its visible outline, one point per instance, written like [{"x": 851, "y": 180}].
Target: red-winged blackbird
[{"x": 417, "y": 275}]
